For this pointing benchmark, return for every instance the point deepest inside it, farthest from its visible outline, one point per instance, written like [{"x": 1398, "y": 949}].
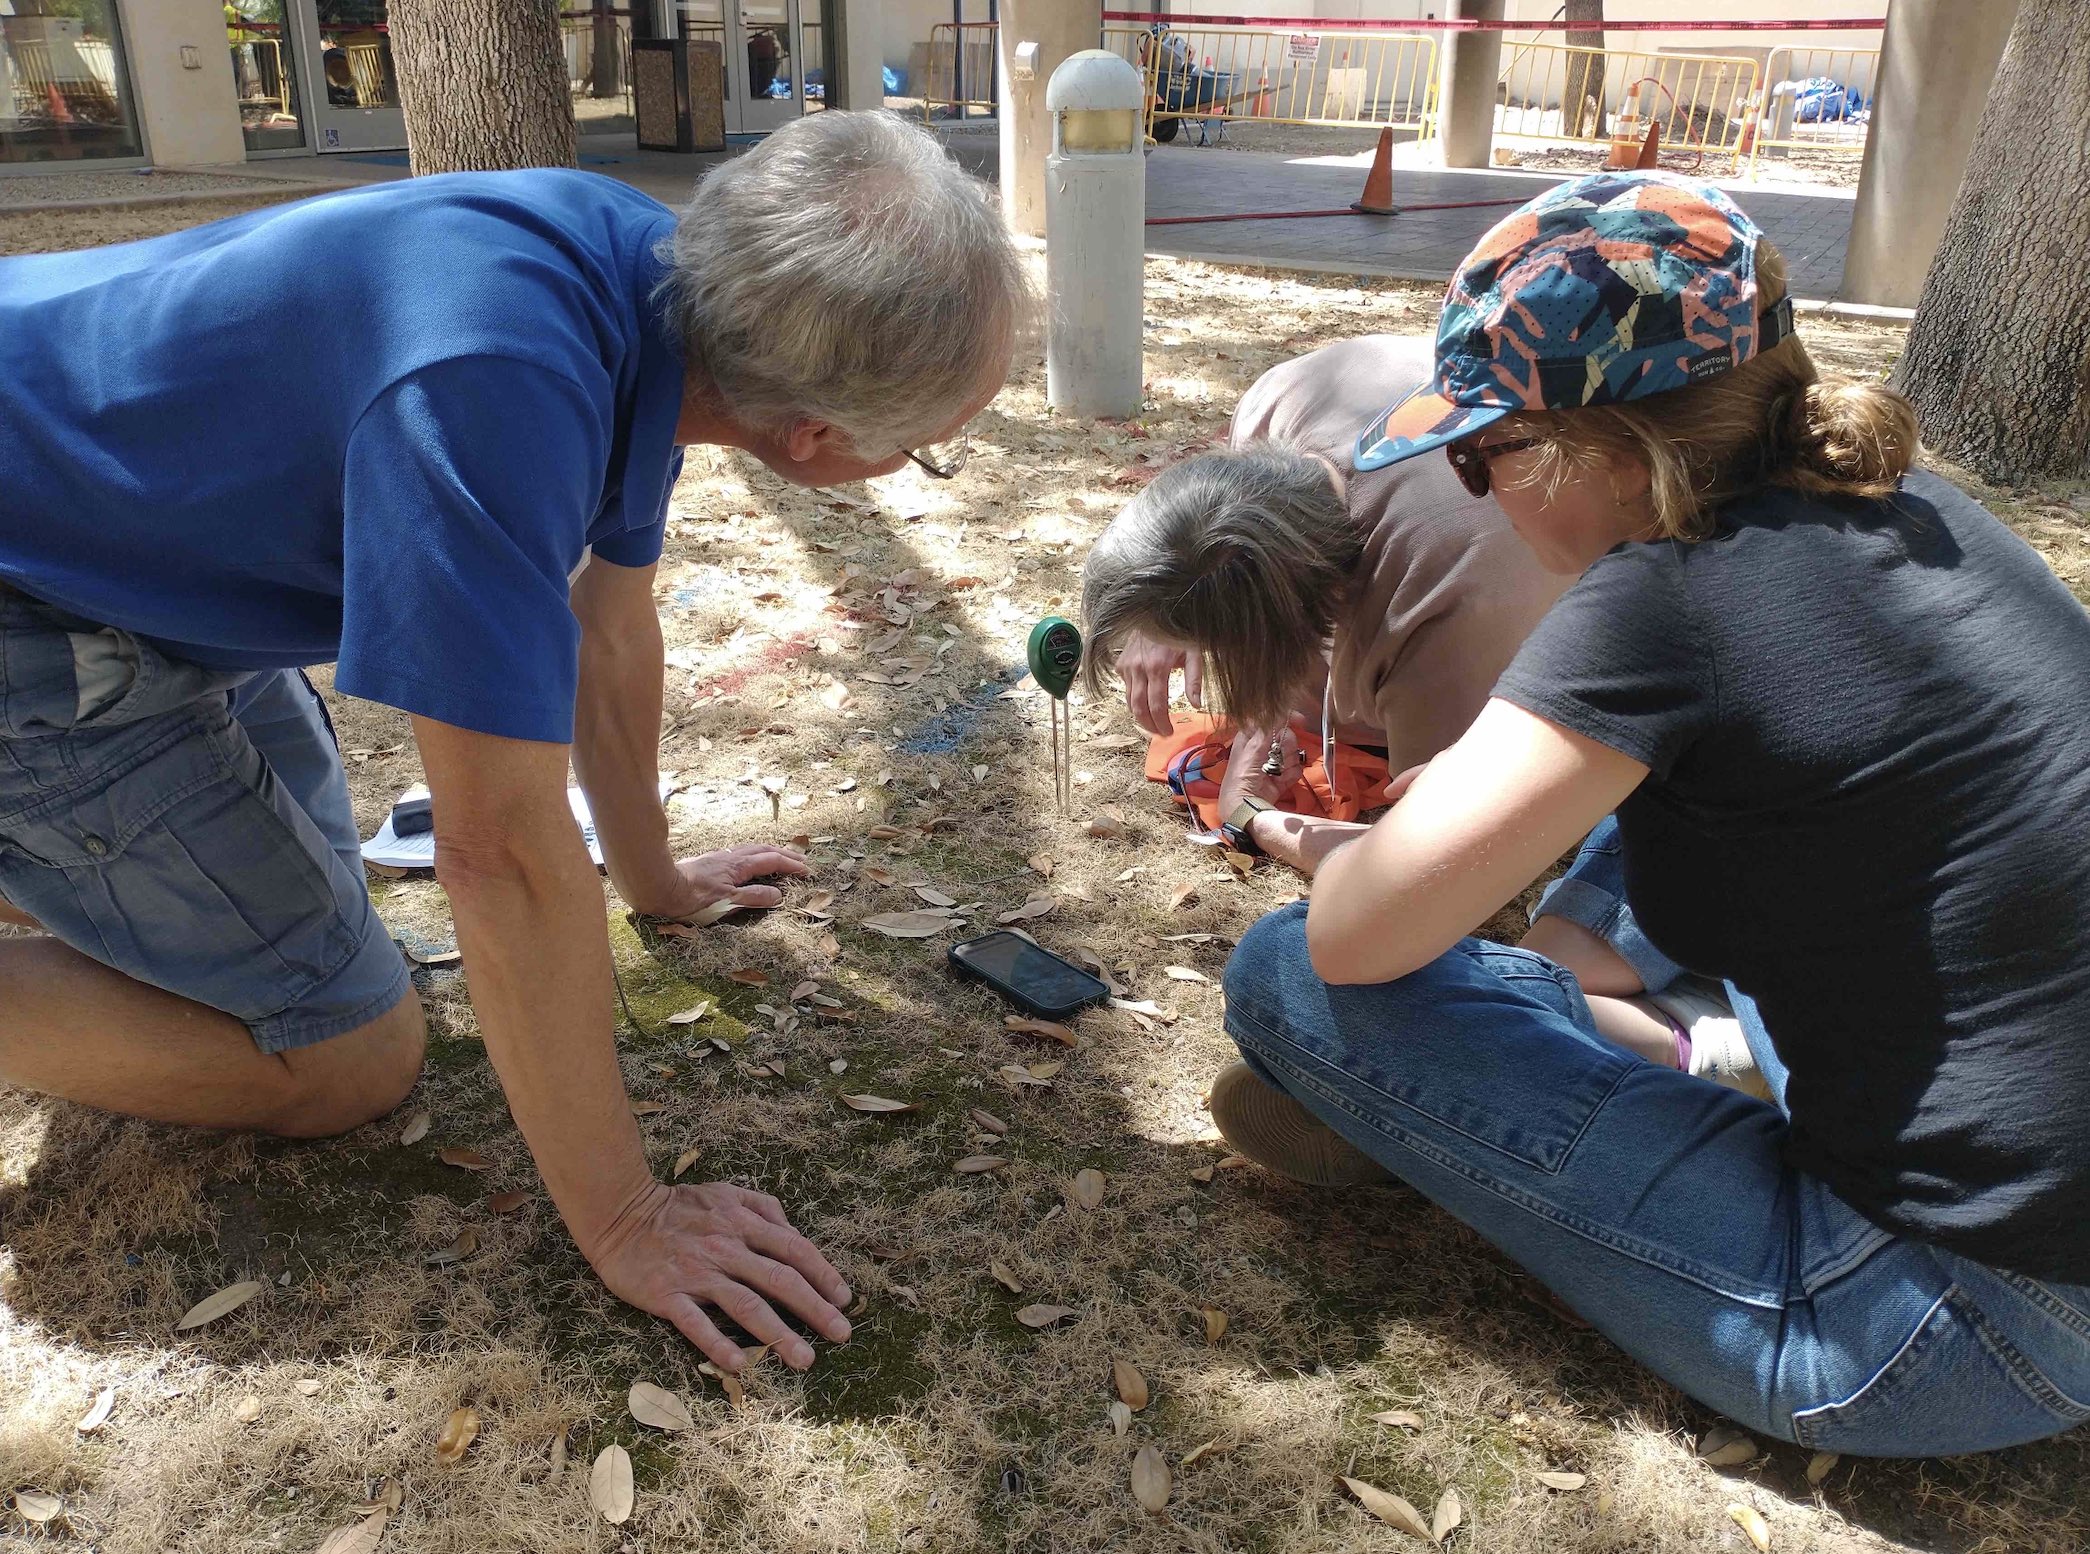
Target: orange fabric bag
[{"x": 1192, "y": 759}]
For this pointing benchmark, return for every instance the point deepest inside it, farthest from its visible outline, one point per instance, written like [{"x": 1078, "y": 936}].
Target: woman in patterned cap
[{"x": 1824, "y": 714}]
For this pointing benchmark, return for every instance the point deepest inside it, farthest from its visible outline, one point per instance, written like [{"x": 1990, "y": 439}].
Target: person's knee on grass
[{"x": 355, "y": 1078}]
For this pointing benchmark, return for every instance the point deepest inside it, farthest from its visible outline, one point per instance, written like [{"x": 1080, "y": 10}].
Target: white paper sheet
[{"x": 418, "y": 852}]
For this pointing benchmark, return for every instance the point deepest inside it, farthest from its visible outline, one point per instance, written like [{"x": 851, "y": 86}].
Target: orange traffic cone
[
  {"x": 1747, "y": 143},
  {"x": 1261, "y": 110},
  {"x": 1625, "y": 131},
  {"x": 1651, "y": 148},
  {"x": 1377, "y": 199}
]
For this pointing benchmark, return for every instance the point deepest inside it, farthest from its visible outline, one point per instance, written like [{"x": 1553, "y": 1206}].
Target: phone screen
[{"x": 1038, "y": 974}]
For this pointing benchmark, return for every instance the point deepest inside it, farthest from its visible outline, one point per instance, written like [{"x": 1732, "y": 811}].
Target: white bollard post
[{"x": 1095, "y": 236}]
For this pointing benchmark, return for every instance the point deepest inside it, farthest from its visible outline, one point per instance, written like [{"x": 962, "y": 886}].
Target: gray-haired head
[
  {"x": 846, "y": 270},
  {"x": 1244, "y": 555}
]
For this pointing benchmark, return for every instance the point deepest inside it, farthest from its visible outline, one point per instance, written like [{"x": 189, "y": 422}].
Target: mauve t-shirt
[
  {"x": 1445, "y": 590},
  {"x": 1867, "y": 727}
]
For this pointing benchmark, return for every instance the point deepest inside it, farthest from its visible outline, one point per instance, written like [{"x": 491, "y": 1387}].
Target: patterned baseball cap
[{"x": 1609, "y": 288}]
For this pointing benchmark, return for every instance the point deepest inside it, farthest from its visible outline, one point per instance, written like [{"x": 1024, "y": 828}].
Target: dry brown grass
[{"x": 1339, "y": 1305}]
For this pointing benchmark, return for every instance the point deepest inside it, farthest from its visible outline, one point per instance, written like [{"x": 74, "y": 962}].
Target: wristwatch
[{"x": 1235, "y": 827}]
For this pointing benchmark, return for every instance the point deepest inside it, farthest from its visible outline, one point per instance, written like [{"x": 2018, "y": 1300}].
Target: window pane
[
  {"x": 64, "y": 92},
  {"x": 265, "y": 75}
]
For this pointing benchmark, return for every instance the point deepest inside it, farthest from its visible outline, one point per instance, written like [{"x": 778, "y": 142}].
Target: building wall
[{"x": 191, "y": 116}]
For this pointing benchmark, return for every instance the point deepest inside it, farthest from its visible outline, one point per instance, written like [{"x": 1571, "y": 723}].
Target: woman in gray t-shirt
[{"x": 1825, "y": 716}]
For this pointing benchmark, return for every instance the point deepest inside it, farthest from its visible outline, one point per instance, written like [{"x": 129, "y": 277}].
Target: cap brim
[{"x": 1422, "y": 421}]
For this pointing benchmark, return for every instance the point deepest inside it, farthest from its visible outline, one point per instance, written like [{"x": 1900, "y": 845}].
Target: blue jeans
[
  {"x": 188, "y": 827},
  {"x": 1659, "y": 1206}
]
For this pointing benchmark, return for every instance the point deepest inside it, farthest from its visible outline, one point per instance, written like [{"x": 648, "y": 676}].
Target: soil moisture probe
[{"x": 1054, "y": 654}]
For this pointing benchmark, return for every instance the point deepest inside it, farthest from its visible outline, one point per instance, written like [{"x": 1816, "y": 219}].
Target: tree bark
[
  {"x": 1585, "y": 75},
  {"x": 1998, "y": 359},
  {"x": 483, "y": 84}
]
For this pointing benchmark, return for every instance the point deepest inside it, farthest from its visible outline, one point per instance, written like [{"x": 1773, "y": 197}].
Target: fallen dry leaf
[
  {"x": 804, "y": 990},
  {"x": 38, "y": 1507},
  {"x": 816, "y": 905},
  {"x": 1089, "y": 958},
  {"x": 1130, "y": 1386},
  {"x": 1390, "y": 1508},
  {"x": 935, "y": 897},
  {"x": 421, "y": 957},
  {"x": 691, "y": 1015},
  {"x": 247, "y": 1409},
  {"x": 464, "y": 1159},
  {"x": 1045, "y": 1316},
  {"x": 1120, "y": 1417},
  {"x": 1148, "y": 1008},
  {"x": 389, "y": 1497},
  {"x": 1041, "y": 864},
  {"x": 507, "y": 1202},
  {"x": 1035, "y": 906},
  {"x": 1185, "y": 974},
  {"x": 1215, "y": 1323},
  {"x": 609, "y": 1485},
  {"x": 658, "y": 1407},
  {"x": 684, "y": 1161},
  {"x": 907, "y": 925},
  {"x": 988, "y": 1121},
  {"x": 211, "y": 1307},
  {"x": 1821, "y": 1465},
  {"x": 973, "y": 1165},
  {"x": 457, "y": 1251},
  {"x": 1210, "y": 1448},
  {"x": 416, "y": 1128},
  {"x": 1088, "y": 1189},
  {"x": 1723, "y": 1446},
  {"x": 877, "y": 1103},
  {"x": 308, "y": 1386},
  {"x": 357, "y": 1537},
  {"x": 1015, "y": 1075},
  {"x": 1062, "y": 1034},
  {"x": 1563, "y": 1481},
  {"x": 98, "y": 1413},
  {"x": 1043, "y": 1070},
  {"x": 458, "y": 1433},
  {"x": 1201, "y": 1173},
  {"x": 748, "y": 976},
  {"x": 1399, "y": 1418},
  {"x": 1151, "y": 1480},
  {"x": 1004, "y": 1277},
  {"x": 1182, "y": 897},
  {"x": 1754, "y": 1527},
  {"x": 648, "y": 1108},
  {"x": 1448, "y": 1515}
]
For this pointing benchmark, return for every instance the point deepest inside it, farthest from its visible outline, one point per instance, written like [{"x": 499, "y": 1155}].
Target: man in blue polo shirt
[{"x": 427, "y": 431}]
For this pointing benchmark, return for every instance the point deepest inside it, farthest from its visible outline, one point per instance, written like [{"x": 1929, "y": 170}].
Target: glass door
[
  {"x": 766, "y": 54},
  {"x": 346, "y": 49}
]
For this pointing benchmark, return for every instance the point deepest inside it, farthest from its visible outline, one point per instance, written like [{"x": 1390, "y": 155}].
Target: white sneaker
[{"x": 1719, "y": 1050}]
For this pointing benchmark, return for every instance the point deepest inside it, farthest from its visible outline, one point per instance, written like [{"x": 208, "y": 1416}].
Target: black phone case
[{"x": 1022, "y": 998}]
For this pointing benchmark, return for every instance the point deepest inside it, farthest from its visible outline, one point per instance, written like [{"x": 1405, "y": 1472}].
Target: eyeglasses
[
  {"x": 1469, "y": 461},
  {"x": 943, "y": 460}
]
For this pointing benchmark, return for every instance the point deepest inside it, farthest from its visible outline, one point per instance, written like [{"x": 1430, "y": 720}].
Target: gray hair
[
  {"x": 1244, "y": 555},
  {"x": 848, "y": 271}
]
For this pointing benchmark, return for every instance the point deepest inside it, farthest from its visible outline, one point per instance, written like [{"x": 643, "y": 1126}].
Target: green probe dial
[{"x": 1054, "y": 654}]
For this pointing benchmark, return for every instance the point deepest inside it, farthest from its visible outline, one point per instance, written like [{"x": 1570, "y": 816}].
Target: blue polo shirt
[{"x": 381, "y": 427}]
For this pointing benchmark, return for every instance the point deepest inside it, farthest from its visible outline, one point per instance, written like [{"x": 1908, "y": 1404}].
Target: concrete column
[
  {"x": 191, "y": 115},
  {"x": 1059, "y": 28},
  {"x": 858, "y": 69},
  {"x": 1472, "y": 65},
  {"x": 1936, "y": 62}
]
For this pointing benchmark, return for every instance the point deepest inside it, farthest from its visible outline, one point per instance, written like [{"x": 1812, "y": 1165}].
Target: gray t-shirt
[
  {"x": 1445, "y": 592},
  {"x": 1869, "y": 808}
]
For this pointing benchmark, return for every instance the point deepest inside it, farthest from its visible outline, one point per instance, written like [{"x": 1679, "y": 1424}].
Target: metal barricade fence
[
  {"x": 1833, "y": 119},
  {"x": 589, "y": 76},
  {"x": 1554, "y": 92},
  {"x": 1240, "y": 75},
  {"x": 960, "y": 73}
]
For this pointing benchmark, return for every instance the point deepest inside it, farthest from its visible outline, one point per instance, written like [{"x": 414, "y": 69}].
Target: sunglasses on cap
[{"x": 1469, "y": 461}]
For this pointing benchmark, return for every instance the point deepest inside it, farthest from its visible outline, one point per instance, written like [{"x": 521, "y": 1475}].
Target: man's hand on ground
[
  {"x": 725, "y": 875},
  {"x": 676, "y": 1249},
  {"x": 1146, "y": 666}
]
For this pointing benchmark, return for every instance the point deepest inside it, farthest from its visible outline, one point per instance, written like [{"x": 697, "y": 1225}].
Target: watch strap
[{"x": 1235, "y": 828}]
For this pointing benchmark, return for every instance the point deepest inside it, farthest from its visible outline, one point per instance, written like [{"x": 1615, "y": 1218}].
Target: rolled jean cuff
[{"x": 1605, "y": 914}]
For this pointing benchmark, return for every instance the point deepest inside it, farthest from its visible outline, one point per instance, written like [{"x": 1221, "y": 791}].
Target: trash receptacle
[{"x": 678, "y": 94}]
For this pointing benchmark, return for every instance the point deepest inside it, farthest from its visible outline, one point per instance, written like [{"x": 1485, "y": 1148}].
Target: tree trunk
[
  {"x": 1998, "y": 359},
  {"x": 1582, "y": 101},
  {"x": 606, "y": 79},
  {"x": 483, "y": 84}
]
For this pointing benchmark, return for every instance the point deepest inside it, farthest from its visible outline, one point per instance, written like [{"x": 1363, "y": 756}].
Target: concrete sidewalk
[{"x": 1810, "y": 229}]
